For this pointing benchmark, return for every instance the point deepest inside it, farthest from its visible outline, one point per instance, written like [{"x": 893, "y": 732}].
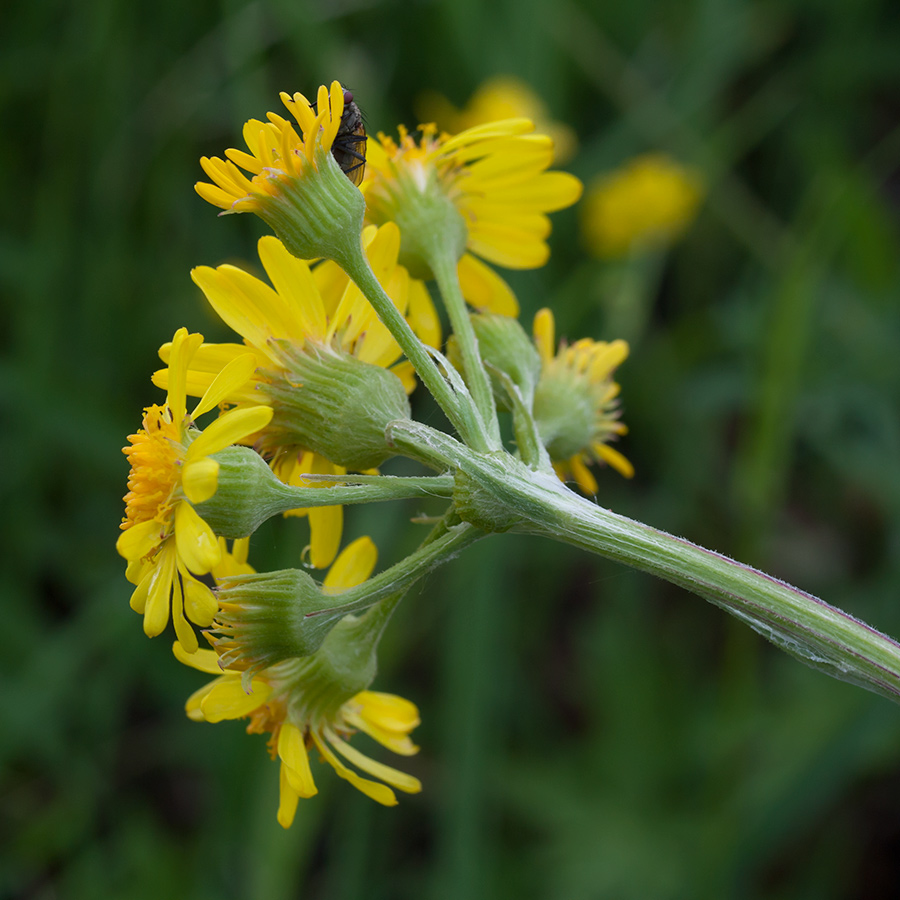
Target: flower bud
[
  {"x": 336, "y": 405},
  {"x": 265, "y": 618},
  {"x": 249, "y": 493},
  {"x": 505, "y": 346}
]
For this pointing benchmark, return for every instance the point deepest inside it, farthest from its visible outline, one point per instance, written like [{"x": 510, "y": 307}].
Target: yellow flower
[
  {"x": 500, "y": 97},
  {"x": 285, "y": 701},
  {"x": 647, "y": 203},
  {"x": 313, "y": 309},
  {"x": 494, "y": 176},
  {"x": 163, "y": 538},
  {"x": 576, "y": 405},
  {"x": 277, "y": 152}
]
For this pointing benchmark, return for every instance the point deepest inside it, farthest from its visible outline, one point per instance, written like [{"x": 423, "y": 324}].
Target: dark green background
[{"x": 588, "y": 732}]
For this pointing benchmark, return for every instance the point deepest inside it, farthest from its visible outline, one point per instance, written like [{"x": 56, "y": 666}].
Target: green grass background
[{"x": 588, "y": 732}]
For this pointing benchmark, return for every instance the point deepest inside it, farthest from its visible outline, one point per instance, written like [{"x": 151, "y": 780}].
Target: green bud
[
  {"x": 268, "y": 617},
  {"x": 504, "y": 346},
  {"x": 565, "y": 417},
  {"x": 335, "y": 405},
  {"x": 248, "y": 494}
]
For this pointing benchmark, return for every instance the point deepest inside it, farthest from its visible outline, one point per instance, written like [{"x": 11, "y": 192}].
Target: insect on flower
[{"x": 349, "y": 147}]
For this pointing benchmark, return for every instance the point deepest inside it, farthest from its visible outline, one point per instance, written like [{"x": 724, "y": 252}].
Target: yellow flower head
[
  {"x": 318, "y": 311},
  {"x": 647, "y": 203},
  {"x": 576, "y": 403},
  {"x": 286, "y": 701},
  {"x": 277, "y": 152},
  {"x": 163, "y": 538},
  {"x": 500, "y": 97},
  {"x": 494, "y": 176}
]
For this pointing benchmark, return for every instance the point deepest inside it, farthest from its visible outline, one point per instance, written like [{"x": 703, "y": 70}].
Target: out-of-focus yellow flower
[
  {"x": 576, "y": 403},
  {"x": 302, "y": 707},
  {"x": 500, "y": 97},
  {"x": 163, "y": 538},
  {"x": 647, "y": 203}
]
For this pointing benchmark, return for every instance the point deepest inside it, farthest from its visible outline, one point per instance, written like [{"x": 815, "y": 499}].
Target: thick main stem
[
  {"x": 497, "y": 492},
  {"x": 805, "y": 626}
]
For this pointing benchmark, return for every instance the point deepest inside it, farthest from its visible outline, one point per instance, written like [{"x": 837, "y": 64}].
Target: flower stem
[
  {"x": 444, "y": 267},
  {"x": 353, "y": 261},
  {"x": 441, "y": 546}
]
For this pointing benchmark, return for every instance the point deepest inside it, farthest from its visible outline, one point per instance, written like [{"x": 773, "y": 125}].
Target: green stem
[
  {"x": 444, "y": 267},
  {"x": 400, "y": 577},
  {"x": 497, "y": 492},
  {"x": 353, "y": 261},
  {"x": 249, "y": 493}
]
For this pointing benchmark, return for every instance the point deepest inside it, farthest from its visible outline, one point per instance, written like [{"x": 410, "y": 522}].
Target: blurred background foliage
[{"x": 588, "y": 732}]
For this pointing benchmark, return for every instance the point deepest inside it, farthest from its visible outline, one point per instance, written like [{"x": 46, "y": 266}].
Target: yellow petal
[
  {"x": 195, "y": 701},
  {"x": 507, "y": 246},
  {"x": 138, "y": 600},
  {"x": 388, "y": 710},
  {"x": 203, "y": 660},
  {"x": 326, "y": 523},
  {"x": 488, "y": 130},
  {"x": 522, "y": 160},
  {"x": 397, "y": 743},
  {"x": 544, "y": 329},
  {"x": 484, "y": 289},
  {"x": 229, "y": 429},
  {"x": 228, "y": 700},
  {"x": 215, "y": 195},
  {"x": 297, "y": 288},
  {"x": 244, "y": 303},
  {"x": 614, "y": 458},
  {"x": 186, "y": 636},
  {"x": 200, "y": 603},
  {"x": 353, "y": 566},
  {"x": 197, "y": 545},
  {"x": 380, "y": 793},
  {"x": 287, "y": 799},
  {"x": 582, "y": 474},
  {"x": 292, "y": 750},
  {"x": 136, "y": 542},
  {"x": 184, "y": 346},
  {"x": 200, "y": 479},
  {"x": 546, "y": 192},
  {"x": 156, "y": 610},
  {"x": 232, "y": 377},
  {"x": 397, "y": 779}
]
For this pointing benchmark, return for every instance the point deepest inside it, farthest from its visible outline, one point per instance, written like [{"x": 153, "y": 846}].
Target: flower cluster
[{"x": 312, "y": 399}]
